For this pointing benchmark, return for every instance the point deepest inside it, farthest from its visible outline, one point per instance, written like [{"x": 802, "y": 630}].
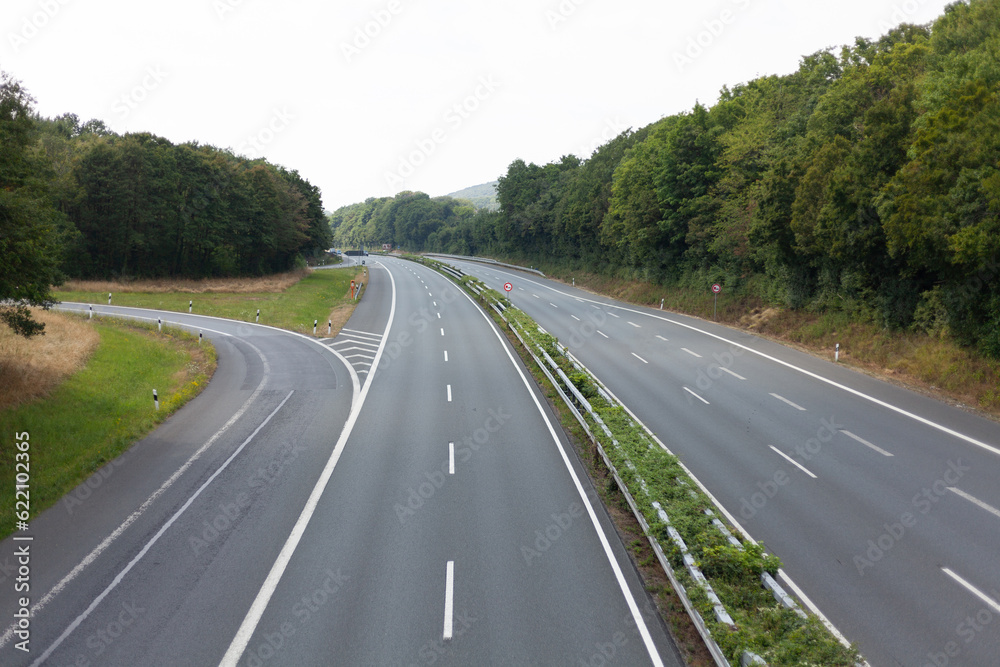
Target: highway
[
  {"x": 399, "y": 495},
  {"x": 882, "y": 503}
]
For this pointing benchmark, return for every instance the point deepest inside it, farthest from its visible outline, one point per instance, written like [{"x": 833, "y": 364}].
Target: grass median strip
[
  {"x": 653, "y": 476},
  {"x": 96, "y": 414}
]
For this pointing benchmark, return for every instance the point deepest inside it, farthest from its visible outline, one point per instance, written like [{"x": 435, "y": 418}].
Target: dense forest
[
  {"x": 867, "y": 181},
  {"x": 78, "y": 200}
]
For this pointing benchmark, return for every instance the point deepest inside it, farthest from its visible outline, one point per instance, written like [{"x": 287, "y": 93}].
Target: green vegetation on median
[
  {"x": 650, "y": 474},
  {"x": 312, "y": 298},
  {"x": 95, "y": 415}
]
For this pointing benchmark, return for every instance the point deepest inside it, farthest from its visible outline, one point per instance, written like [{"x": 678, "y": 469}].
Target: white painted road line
[
  {"x": 693, "y": 354},
  {"x": 602, "y": 333},
  {"x": 576, "y": 318},
  {"x": 735, "y": 375},
  {"x": 696, "y": 396},
  {"x": 446, "y": 355},
  {"x": 866, "y": 443},
  {"x": 614, "y": 315},
  {"x": 449, "y": 601},
  {"x": 253, "y": 616},
  {"x": 665, "y": 340},
  {"x": 785, "y": 400},
  {"x": 639, "y": 358},
  {"x": 793, "y": 461},
  {"x": 972, "y": 589},
  {"x": 449, "y": 393},
  {"x": 442, "y": 331},
  {"x": 451, "y": 458},
  {"x": 553, "y": 305},
  {"x": 975, "y": 501},
  {"x": 149, "y": 545},
  {"x": 635, "y": 325},
  {"x": 536, "y": 296}
]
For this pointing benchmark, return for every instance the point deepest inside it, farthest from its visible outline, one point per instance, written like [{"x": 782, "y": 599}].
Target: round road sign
[
  {"x": 508, "y": 287},
  {"x": 716, "y": 288}
]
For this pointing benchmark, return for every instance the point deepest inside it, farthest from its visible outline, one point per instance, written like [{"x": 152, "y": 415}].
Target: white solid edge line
[
  {"x": 866, "y": 443},
  {"x": 696, "y": 396},
  {"x": 449, "y": 599},
  {"x": 815, "y": 376},
  {"x": 975, "y": 501},
  {"x": 792, "y": 461},
  {"x": 250, "y": 621},
  {"x": 972, "y": 589},
  {"x": 785, "y": 400},
  {"x": 647, "y": 638},
  {"x": 131, "y": 518},
  {"x": 149, "y": 545},
  {"x": 733, "y": 521}
]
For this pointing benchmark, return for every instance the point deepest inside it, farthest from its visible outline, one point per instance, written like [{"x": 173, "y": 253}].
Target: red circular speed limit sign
[
  {"x": 716, "y": 288},
  {"x": 508, "y": 287}
]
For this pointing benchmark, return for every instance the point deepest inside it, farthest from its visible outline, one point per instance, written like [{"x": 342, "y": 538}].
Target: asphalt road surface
[
  {"x": 883, "y": 504},
  {"x": 399, "y": 495}
]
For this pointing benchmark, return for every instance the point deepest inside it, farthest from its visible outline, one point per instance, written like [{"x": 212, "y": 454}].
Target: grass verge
[
  {"x": 293, "y": 301},
  {"x": 100, "y": 410},
  {"x": 931, "y": 364}
]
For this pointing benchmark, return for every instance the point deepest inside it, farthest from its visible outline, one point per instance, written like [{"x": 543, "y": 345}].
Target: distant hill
[{"x": 481, "y": 196}]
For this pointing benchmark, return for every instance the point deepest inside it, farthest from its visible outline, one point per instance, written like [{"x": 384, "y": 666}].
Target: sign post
[{"x": 716, "y": 288}]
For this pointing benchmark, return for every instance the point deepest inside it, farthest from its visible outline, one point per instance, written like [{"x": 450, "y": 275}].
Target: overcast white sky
[{"x": 372, "y": 97}]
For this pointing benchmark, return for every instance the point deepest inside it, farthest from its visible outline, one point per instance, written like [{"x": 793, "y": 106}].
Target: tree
[{"x": 29, "y": 237}]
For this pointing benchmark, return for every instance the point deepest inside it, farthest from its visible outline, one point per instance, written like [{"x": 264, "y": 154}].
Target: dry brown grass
[
  {"x": 30, "y": 368},
  {"x": 278, "y": 282},
  {"x": 340, "y": 314}
]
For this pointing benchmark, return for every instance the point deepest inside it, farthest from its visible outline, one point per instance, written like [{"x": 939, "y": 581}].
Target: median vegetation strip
[
  {"x": 289, "y": 301},
  {"x": 722, "y": 578},
  {"x": 98, "y": 411}
]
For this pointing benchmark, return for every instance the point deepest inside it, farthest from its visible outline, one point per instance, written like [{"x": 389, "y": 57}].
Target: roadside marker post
[
  {"x": 190, "y": 305},
  {"x": 258, "y": 316},
  {"x": 836, "y": 354},
  {"x": 91, "y": 313},
  {"x": 156, "y": 400},
  {"x": 329, "y": 327},
  {"x": 159, "y": 324},
  {"x": 315, "y": 323},
  {"x": 109, "y": 298},
  {"x": 200, "y": 336}
]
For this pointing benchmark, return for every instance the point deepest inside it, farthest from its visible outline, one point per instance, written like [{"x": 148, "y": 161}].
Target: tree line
[
  {"x": 78, "y": 200},
  {"x": 868, "y": 181}
]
